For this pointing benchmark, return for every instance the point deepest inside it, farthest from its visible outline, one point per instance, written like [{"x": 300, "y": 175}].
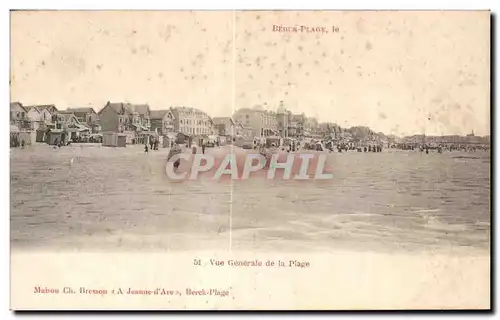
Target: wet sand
[{"x": 121, "y": 199}]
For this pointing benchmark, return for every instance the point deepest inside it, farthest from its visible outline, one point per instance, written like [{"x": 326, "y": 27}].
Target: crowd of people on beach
[
  {"x": 153, "y": 144},
  {"x": 440, "y": 148}
]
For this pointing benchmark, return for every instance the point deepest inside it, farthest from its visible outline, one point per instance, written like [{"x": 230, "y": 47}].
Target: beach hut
[
  {"x": 183, "y": 138},
  {"x": 121, "y": 140},
  {"x": 14, "y": 136},
  {"x": 114, "y": 139},
  {"x": 41, "y": 135},
  {"x": 55, "y": 136},
  {"x": 222, "y": 140},
  {"x": 28, "y": 137}
]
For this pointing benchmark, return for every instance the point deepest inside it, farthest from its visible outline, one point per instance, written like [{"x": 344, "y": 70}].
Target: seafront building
[
  {"x": 133, "y": 120},
  {"x": 264, "y": 122},
  {"x": 162, "y": 121},
  {"x": 138, "y": 123},
  {"x": 192, "y": 121}
]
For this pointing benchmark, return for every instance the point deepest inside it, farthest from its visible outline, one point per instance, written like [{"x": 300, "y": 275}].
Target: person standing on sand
[{"x": 174, "y": 151}]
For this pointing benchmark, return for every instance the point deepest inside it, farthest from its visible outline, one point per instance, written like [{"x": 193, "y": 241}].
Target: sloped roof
[
  {"x": 28, "y": 108},
  {"x": 128, "y": 108},
  {"x": 17, "y": 104},
  {"x": 118, "y": 107},
  {"x": 82, "y": 110},
  {"x": 67, "y": 116},
  {"x": 139, "y": 108},
  {"x": 242, "y": 125},
  {"x": 222, "y": 120},
  {"x": 187, "y": 110},
  {"x": 44, "y": 106},
  {"x": 158, "y": 114}
]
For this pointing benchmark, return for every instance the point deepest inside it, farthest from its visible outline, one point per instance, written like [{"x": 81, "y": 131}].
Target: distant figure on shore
[
  {"x": 146, "y": 150},
  {"x": 427, "y": 150},
  {"x": 176, "y": 149}
]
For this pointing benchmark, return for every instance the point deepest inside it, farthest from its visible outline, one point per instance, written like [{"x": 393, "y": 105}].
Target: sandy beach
[{"x": 411, "y": 232}]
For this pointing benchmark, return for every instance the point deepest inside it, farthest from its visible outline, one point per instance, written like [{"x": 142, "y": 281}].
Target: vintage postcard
[{"x": 250, "y": 160}]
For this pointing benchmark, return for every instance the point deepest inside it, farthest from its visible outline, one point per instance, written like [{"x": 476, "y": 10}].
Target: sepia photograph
[{"x": 335, "y": 160}]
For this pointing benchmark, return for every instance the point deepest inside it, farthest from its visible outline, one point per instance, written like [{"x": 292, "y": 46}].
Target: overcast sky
[{"x": 397, "y": 72}]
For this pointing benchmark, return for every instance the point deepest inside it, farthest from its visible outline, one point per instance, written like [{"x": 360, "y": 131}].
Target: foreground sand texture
[
  {"x": 360, "y": 256},
  {"x": 121, "y": 199}
]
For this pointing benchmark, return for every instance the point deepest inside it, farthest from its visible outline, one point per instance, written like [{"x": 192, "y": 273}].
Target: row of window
[
  {"x": 134, "y": 121},
  {"x": 191, "y": 113},
  {"x": 195, "y": 122},
  {"x": 18, "y": 114},
  {"x": 191, "y": 130}
]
